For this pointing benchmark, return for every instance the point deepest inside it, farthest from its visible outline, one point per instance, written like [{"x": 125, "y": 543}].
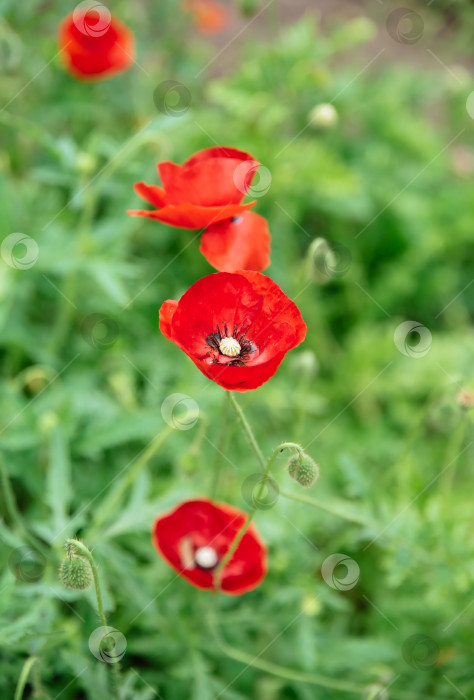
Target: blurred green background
[{"x": 385, "y": 179}]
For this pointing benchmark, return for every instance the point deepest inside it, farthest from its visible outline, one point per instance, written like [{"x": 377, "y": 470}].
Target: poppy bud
[
  {"x": 75, "y": 572},
  {"x": 303, "y": 469},
  {"x": 323, "y": 116}
]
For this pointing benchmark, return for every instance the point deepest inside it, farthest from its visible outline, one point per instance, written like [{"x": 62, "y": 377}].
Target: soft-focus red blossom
[
  {"x": 206, "y": 189},
  {"x": 209, "y": 17},
  {"x": 94, "y": 44},
  {"x": 235, "y": 327},
  {"x": 195, "y": 536},
  {"x": 241, "y": 243}
]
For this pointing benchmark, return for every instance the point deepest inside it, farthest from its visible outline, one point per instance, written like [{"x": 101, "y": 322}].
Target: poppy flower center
[
  {"x": 206, "y": 557},
  {"x": 230, "y": 347}
]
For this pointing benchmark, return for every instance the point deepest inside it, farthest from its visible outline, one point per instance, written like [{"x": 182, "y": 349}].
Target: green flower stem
[
  {"x": 294, "y": 674},
  {"x": 453, "y": 451},
  {"x": 328, "y": 507},
  {"x": 247, "y": 430},
  {"x": 116, "y": 496},
  {"x": 14, "y": 514},
  {"x": 85, "y": 551},
  {"x": 334, "y": 510},
  {"x": 244, "y": 528},
  {"x": 25, "y": 672}
]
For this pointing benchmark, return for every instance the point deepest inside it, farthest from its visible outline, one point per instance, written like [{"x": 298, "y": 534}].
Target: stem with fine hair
[
  {"x": 235, "y": 543},
  {"x": 247, "y": 430},
  {"x": 25, "y": 672},
  {"x": 85, "y": 551},
  {"x": 293, "y": 674}
]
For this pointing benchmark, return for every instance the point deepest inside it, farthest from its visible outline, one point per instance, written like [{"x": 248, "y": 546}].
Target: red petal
[
  {"x": 211, "y": 302},
  {"x": 238, "y": 245},
  {"x": 244, "y": 378},
  {"x": 151, "y": 193},
  {"x": 191, "y": 216},
  {"x": 167, "y": 312},
  {"x": 208, "y": 182},
  {"x": 218, "y": 152}
]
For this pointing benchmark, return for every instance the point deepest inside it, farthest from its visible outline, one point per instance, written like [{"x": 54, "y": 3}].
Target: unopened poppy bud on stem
[
  {"x": 75, "y": 571},
  {"x": 303, "y": 469}
]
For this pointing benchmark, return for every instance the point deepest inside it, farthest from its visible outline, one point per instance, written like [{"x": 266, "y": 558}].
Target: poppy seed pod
[
  {"x": 75, "y": 573},
  {"x": 303, "y": 469}
]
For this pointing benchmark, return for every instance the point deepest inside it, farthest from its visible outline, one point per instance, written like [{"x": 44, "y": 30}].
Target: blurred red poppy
[
  {"x": 94, "y": 44},
  {"x": 235, "y": 327},
  {"x": 194, "y": 537},
  {"x": 209, "y": 17},
  {"x": 206, "y": 189},
  {"x": 240, "y": 243}
]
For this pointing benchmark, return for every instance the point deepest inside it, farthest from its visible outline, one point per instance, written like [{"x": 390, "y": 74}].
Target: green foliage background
[{"x": 390, "y": 185}]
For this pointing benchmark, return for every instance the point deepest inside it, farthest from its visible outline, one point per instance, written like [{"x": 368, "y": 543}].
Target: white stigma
[
  {"x": 230, "y": 347},
  {"x": 206, "y": 557}
]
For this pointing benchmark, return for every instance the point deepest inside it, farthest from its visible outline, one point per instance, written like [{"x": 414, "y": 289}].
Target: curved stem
[
  {"x": 85, "y": 551},
  {"x": 453, "y": 451},
  {"x": 334, "y": 510},
  {"x": 294, "y": 674},
  {"x": 25, "y": 672},
  {"x": 247, "y": 430},
  {"x": 244, "y": 528}
]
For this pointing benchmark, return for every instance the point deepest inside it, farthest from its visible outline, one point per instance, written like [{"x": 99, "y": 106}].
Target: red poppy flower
[
  {"x": 235, "y": 327},
  {"x": 206, "y": 189},
  {"x": 95, "y": 45},
  {"x": 209, "y": 17},
  {"x": 195, "y": 536}
]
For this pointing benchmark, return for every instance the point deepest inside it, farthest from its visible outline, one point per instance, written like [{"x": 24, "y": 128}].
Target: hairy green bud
[
  {"x": 75, "y": 572},
  {"x": 303, "y": 469}
]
